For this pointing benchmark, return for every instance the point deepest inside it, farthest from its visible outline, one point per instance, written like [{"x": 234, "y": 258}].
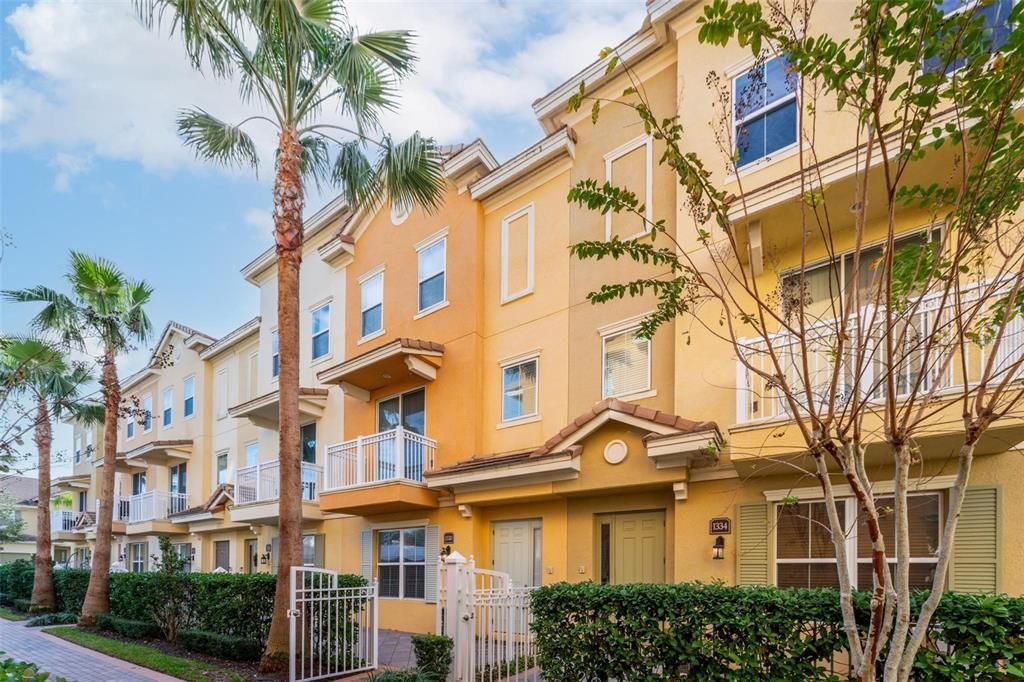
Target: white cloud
[
  {"x": 95, "y": 83},
  {"x": 261, "y": 223},
  {"x": 68, "y": 166}
]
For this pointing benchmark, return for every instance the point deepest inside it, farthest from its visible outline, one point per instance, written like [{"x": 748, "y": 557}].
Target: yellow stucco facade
[{"x": 537, "y": 434}]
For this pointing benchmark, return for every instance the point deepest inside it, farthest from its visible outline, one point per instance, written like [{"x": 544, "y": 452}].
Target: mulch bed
[{"x": 247, "y": 669}]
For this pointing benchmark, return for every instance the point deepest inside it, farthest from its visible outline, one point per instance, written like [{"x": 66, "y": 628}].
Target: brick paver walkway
[
  {"x": 394, "y": 651},
  {"x": 70, "y": 661}
]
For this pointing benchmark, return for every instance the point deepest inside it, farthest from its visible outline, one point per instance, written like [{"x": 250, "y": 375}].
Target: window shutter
[
  {"x": 432, "y": 549},
  {"x": 275, "y": 554},
  {"x": 752, "y": 544},
  {"x": 366, "y": 554},
  {"x": 975, "y": 562},
  {"x": 318, "y": 551}
]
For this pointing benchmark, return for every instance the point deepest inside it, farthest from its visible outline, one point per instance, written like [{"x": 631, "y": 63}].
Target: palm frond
[
  {"x": 357, "y": 177},
  {"x": 412, "y": 172},
  {"x": 316, "y": 160},
  {"x": 394, "y": 49},
  {"x": 216, "y": 140},
  {"x": 206, "y": 28},
  {"x": 59, "y": 316}
]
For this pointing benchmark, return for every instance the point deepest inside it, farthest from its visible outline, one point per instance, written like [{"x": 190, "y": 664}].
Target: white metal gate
[
  {"x": 332, "y": 630},
  {"x": 488, "y": 618}
]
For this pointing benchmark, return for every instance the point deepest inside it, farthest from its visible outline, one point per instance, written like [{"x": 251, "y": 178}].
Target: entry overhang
[
  {"x": 263, "y": 410},
  {"x": 391, "y": 363}
]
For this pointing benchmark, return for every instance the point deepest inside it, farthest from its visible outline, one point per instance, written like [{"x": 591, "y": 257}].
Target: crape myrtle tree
[
  {"x": 52, "y": 384},
  {"x": 922, "y": 332},
  {"x": 321, "y": 88},
  {"x": 105, "y": 310}
]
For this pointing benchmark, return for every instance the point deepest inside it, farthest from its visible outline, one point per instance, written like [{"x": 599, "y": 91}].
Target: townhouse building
[{"x": 460, "y": 393}]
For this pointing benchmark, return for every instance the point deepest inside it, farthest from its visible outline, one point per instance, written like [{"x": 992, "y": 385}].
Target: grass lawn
[
  {"x": 7, "y": 614},
  {"x": 146, "y": 656}
]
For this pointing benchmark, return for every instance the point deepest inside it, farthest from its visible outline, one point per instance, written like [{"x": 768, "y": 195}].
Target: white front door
[{"x": 516, "y": 550}]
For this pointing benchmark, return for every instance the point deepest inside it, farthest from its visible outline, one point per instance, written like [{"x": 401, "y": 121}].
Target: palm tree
[
  {"x": 293, "y": 59},
  {"x": 43, "y": 373},
  {"x": 104, "y": 307}
]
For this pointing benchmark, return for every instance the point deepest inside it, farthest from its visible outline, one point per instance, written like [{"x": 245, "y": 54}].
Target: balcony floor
[{"x": 379, "y": 498}]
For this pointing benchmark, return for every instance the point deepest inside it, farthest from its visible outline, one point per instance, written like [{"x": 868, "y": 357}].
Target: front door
[
  {"x": 251, "y": 557},
  {"x": 516, "y": 550},
  {"x": 632, "y": 547}
]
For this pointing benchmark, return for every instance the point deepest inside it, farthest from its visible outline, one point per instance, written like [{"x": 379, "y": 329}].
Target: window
[
  {"x": 179, "y": 480},
  {"x": 168, "y": 406},
  {"x": 275, "y": 355},
  {"x": 432, "y": 274},
  {"x": 220, "y": 386},
  {"x": 222, "y": 554},
  {"x": 321, "y": 331},
  {"x": 222, "y": 468},
  {"x": 401, "y": 562},
  {"x": 138, "y": 483},
  {"x": 184, "y": 552},
  {"x": 83, "y": 500},
  {"x": 147, "y": 414},
  {"x": 519, "y": 390},
  {"x": 137, "y": 552},
  {"x": 130, "y": 428},
  {"x": 88, "y": 443},
  {"x": 313, "y": 550},
  {"x": 629, "y": 167},
  {"x": 371, "y": 305},
  {"x": 252, "y": 454},
  {"x": 765, "y": 110},
  {"x": 805, "y": 553},
  {"x": 994, "y": 18},
  {"x": 307, "y": 434},
  {"x": 627, "y": 364},
  {"x": 517, "y": 254},
  {"x": 190, "y": 397}
]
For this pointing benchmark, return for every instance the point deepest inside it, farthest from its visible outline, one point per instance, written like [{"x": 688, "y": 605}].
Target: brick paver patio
[
  {"x": 395, "y": 650},
  {"x": 67, "y": 660}
]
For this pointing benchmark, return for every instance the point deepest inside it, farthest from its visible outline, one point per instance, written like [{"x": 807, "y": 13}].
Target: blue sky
[{"x": 90, "y": 160}]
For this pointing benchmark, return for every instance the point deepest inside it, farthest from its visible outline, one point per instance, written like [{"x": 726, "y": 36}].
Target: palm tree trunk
[
  {"x": 288, "y": 205},
  {"x": 44, "y": 598},
  {"x": 97, "y": 596}
]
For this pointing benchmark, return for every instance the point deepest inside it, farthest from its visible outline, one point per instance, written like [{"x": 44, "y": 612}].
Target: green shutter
[
  {"x": 366, "y": 554},
  {"x": 752, "y": 544},
  {"x": 975, "y": 563}
]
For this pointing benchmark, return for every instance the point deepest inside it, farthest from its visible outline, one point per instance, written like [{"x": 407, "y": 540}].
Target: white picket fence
[
  {"x": 488, "y": 618},
  {"x": 333, "y": 630}
]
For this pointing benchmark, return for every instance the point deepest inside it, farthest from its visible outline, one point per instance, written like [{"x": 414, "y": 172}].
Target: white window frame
[
  {"x": 186, "y": 394},
  {"x": 129, "y": 430},
  {"x": 167, "y": 408},
  {"x": 778, "y": 154},
  {"x": 401, "y": 563},
  {"x": 440, "y": 237},
  {"x": 250, "y": 444},
  {"x": 226, "y": 454},
  {"x": 631, "y": 325},
  {"x": 619, "y": 152},
  {"x": 516, "y": 361},
  {"x": 143, "y": 559},
  {"x": 375, "y": 272},
  {"x": 325, "y": 331},
  {"x": 147, "y": 400},
  {"x": 850, "y": 516},
  {"x": 506, "y": 222},
  {"x": 275, "y": 355}
]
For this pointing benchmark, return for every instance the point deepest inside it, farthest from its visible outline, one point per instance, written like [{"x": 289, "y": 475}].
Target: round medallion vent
[
  {"x": 399, "y": 214},
  {"x": 615, "y": 452}
]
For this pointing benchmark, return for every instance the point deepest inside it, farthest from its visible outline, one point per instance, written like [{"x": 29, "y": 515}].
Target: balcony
[
  {"x": 63, "y": 521},
  {"x": 379, "y": 473},
  {"x": 152, "y": 506},
  {"x": 761, "y": 405},
  {"x": 261, "y": 482},
  {"x": 258, "y": 487}
]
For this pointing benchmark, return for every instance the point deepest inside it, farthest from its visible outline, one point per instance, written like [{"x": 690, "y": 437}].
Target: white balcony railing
[
  {"x": 759, "y": 398},
  {"x": 155, "y": 506},
  {"x": 121, "y": 509},
  {"x": 397, "y": 455},
  {"x": 62, "y": 520},
  {"x": 261, "y": 482}
]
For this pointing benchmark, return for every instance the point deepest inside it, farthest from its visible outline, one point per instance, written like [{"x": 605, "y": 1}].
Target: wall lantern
[
  {"x": 265, "y": 559},
  {"x": 718, "y": 549}
]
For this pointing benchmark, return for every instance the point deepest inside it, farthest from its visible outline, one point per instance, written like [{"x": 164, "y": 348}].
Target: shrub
[
  {"x": 221, "y": 646},
  {"x": 11, "y": 669},
  {"x": 52, "y": 619},
  {"x": 70, "y": 585},
  {"x": 23, "y": 605},
  {"x": 433, "y": 654},
  {"x": 16, "y": 579},
  {"x": 232, "y": 604},
  {"x": 6, "y": 599},
  {"x": 133, "y": 629},
  {"x": 404, "y": 676},
  {"x": 640, "y": 632}
]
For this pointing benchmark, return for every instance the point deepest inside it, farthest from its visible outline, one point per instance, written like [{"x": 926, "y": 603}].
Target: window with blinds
[{"x": 627, "y": 364}]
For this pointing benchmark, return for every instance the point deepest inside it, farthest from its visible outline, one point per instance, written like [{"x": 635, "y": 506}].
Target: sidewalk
[{"x": 70, "y": 661}]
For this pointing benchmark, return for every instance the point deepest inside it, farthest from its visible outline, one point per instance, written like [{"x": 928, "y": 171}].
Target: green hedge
[
  {"x": 128, "y": 627},
  {"x": 221, "y": 646},
  {"x": 16, "y": 579},
  {"x": 655, "y": 632}
]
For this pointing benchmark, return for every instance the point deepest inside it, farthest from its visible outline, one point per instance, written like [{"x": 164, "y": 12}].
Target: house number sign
[{"x": 722, "y": 526}]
